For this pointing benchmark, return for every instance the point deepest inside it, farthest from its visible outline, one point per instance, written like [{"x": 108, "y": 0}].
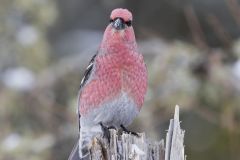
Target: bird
[{"x": 114, "y": 85}]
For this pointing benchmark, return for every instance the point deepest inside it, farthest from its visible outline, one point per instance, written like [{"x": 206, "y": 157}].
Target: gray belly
[{"x": 120, "y": 111}]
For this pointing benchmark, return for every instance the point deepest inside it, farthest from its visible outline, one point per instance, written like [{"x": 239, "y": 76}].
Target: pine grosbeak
[{"x": 114, "y": 85}]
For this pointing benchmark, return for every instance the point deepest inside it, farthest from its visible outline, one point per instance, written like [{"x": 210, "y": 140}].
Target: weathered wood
[
  {"x": 129, "y": 147},
  {"x": 174, "y": 139}
]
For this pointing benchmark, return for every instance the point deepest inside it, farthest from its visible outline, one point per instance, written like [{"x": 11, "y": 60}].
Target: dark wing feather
[{"x": 88, "y": 72}]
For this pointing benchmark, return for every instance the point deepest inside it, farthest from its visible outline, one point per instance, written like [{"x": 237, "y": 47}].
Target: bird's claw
[
  {"x": 106, "y": 132},
  {"x": 129, "y": 132},
  {"x": 112, "y": 127}
]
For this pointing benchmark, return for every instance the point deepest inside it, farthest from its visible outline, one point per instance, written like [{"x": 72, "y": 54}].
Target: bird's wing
[
  {"x": 74, "y": 154},
  {"x": 88, "y": 72},
  {"x": 84, "y": 80}
]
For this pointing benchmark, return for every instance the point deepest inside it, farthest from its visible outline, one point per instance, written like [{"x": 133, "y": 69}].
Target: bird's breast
[
  {"x": 127, "y": 71},
  {"x": 115, "y": 74}
]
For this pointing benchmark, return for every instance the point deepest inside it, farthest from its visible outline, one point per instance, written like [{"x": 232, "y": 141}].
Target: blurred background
[{"x": 192, "y": 51}]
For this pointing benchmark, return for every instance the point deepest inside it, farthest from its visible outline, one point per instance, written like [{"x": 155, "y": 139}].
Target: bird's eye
[
  {"x": 111, "y": 20},
  {"x": 128, "y": 23}
]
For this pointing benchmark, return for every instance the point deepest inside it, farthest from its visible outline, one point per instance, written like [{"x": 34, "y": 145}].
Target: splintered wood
[{"x": 129, "y": 147}]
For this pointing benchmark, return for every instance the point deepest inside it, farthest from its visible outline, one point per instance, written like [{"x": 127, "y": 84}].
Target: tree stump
[{"x": 129, "y": 147}]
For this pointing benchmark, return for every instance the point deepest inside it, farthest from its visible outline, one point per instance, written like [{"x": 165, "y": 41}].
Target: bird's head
[
  {"x": 120, "y": 19},
  {"x": 120, "y": 27}
]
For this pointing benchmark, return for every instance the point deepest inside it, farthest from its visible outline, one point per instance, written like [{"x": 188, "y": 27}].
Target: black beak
[{"x": 118, "y": 24}]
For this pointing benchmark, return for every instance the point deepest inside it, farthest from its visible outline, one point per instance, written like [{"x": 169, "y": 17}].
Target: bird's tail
[
  {"x": 74, "y": 155},
  {"x": 84, "y": 145},
  {"x": 85, "y": 140}
]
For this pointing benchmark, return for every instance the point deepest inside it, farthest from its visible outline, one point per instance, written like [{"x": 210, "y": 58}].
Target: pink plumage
[
  {"x": 113, "y": 89},
  {"x": 123, "y": 13},
  {"x": 119, "y": 67}
]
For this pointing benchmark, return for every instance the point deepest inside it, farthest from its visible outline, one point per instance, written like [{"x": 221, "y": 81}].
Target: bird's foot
[
  {"x": 112, "y": 127},
  {"x": 106, "y": 132},
  {"x": 127, "y": 131}
]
